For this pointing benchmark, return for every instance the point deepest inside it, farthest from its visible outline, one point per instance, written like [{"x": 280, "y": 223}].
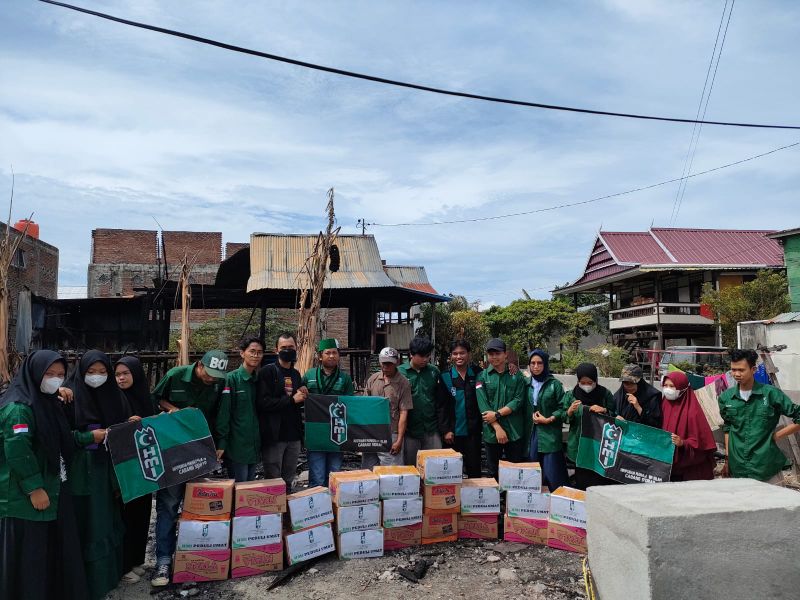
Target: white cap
[{"x": 389, "y": 355}]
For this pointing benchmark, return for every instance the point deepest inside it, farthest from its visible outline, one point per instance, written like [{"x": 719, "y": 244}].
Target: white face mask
[
  {"x": 50, "y": 385},
  {"x": 671, "y": 393},
  {"x": 95, "y": 381},
  {"x": 588, "y": 388}
]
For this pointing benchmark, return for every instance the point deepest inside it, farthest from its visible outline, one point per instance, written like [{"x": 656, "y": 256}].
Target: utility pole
[{"x": 363, "y": 224}]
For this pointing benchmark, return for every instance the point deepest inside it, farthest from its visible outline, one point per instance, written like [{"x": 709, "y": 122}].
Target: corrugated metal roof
[
  {"x": 634, "y": 247},
  {"x": 787, "y": 317},
  {"x": 412, "y": 278},
  {"x": 720, "y": 246},
  {"x": 277, "y": 260}
]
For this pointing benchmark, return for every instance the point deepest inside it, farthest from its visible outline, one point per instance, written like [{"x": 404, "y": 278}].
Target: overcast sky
[{"x": 110, "y": 126}]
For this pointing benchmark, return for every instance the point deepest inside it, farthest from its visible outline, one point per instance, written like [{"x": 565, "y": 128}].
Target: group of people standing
[{"x": 65, "y": 533}]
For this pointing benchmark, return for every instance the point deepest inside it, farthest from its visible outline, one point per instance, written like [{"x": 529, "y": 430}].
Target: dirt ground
[{"x": 468, "y": 569}]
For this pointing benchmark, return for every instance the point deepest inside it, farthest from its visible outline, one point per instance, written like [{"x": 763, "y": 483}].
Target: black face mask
[{"x": 289, "y": 356}]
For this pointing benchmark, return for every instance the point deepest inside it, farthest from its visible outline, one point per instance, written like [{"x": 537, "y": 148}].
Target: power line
[
  {"x": 403, "y": 84},
  {"x": 590, "y": 201},
  {"x": 682, "y": 185}
]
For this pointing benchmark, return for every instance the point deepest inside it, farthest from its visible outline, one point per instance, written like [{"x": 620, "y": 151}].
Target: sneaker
[
  {"x": 139, "y": 570},
  {"x": 130, "y": 577},
  {"x": 161, "y": 576}
]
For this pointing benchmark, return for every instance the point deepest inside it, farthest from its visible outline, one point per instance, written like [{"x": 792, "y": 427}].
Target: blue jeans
[
  {"x": 167, "y": 502},
  {"x": 554, "y": 465},
  {"x": 239, "y": 471},
  {"x": 322, "y": 464}
]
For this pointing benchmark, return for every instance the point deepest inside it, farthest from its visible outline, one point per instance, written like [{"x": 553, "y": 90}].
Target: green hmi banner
[
  {"x": 347, "y": 423},
  {"x": 161, "y": 451},
  {"x": 624, "y": 451}
]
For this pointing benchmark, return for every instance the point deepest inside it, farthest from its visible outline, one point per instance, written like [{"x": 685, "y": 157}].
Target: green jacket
[
  {"x": 338, "y": 383},
  {"x": 549, "y": 404},
  {"x": 237, "y": 421},
  {"x": 424, "y": 417},
  {"x": 575, "y": 420},
  {"x": 750, "y": 425},
  {"x": 24, "y": 467},
  {"x": 494, "y": 391},
  {"x": 181, "y": 388}
]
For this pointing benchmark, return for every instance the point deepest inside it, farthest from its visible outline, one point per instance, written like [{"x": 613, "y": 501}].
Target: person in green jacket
[
  {"x": 501, "y": 402},
  {"x": 544, "y": 416},
  {"x": 98, "y": 403},
  {"x": 238, "y": 438},
  {"x": 39, "y": 542},
  {"x": 750, "y": 412},
  {"x": 426, "y": 421},
  {"x": 587, "y": 394},
  {"x": 327, "y": 379}
]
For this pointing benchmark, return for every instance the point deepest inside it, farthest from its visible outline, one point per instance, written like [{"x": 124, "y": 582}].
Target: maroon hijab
[{"x": 684, "y": 416}]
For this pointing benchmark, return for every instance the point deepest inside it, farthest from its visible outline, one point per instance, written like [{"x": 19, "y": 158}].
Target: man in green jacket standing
[
  {"x": 751, "y": 411},
  {"x": 426, "y": 421},
  {"x": 238, "y": 439},
  {"x": 326, "y": 379},
  {"x": 500, "y": 398}
]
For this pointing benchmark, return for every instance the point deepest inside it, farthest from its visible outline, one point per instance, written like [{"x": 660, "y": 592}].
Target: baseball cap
[
  {"x": 496, "y": 344},
  {"x": 216, "y": 363},
  {"x": 631, "y": 373},
  {"x": 389, "y": 355}
]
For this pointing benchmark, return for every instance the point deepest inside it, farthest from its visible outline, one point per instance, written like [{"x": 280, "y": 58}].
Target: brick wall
[
  {"x": 201, "y": 247},
  {"x": 124, "y": 246},
  {"x": 232, "y": 248}
]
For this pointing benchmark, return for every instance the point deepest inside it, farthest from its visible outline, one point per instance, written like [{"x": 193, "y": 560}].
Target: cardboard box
[
  {"x": 201, "y": 565},
  {"x": 309, "y": 508},
  {"x": 256, "y": 560},
  {"x": 398, "y": 481},
  {"x": 400, "y": 512},
  {"x": 361, "y": 544},
  {"x": 361, "y": 488},
  {"x": 309, "y": 543},
  {"x": 398, "y": 538},
  {"x": 260, "y": 497},
  {"x": 358, "y": 518},
  {"x": 259, "y": 530},
  {"x": 440, "y": 466},
  {"x": 439, "y": 525},
  {"x": 520, "y": 476},
  {"x": 525, "y": 531},
  {"x": 478, "y": 527},
  {"x": 440, "y": 540},
  {"x": 566, "y": 537},
  {"x": 528, "y": 505},
  {"x": 203, "y": 535},
  {"x": 333, "y": 478},
  {"x": 442, "y": 497},
  {"x": 480, "y": 496},
  {"x": 568, "y": 506},
  {"x": 208, "y": 500}
]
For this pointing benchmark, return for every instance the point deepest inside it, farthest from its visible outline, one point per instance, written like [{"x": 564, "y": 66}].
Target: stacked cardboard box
[
  {"x": 402, "y": 506},
  {"x": 356, "y": 500},
  {"x": 566, "y": 528},
  {"x": 203, "y": 547},
  {"x": 527, "y": 507},
  {"x": 480, "y": 507},
  {"x": 310, "y": 519},
  {"x": 257, "y": 538},
  {"x": 441, "y": 472}
]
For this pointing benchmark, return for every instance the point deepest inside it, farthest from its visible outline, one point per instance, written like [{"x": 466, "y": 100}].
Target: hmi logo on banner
[
  {"x": 338, "y": 414},
  {"x": 149, "y": 453},
  {"x": 610, "y": 445}
]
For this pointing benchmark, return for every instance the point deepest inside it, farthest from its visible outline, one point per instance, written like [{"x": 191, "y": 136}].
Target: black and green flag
[
  {"x": 624, "y": 451},
  {"x": 347, "y": 423},
  {"x": 161, "y": 451}
]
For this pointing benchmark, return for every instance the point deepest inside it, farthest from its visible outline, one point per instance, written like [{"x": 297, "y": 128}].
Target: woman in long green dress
[{"x": 98, "y": 403}]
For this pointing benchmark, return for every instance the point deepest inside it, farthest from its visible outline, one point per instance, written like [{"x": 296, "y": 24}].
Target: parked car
[{"x": 698, "y": 359}]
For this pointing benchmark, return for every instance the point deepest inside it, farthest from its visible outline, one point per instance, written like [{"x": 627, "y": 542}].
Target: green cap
[
  {"x": 328, "y": 344},
  {"x": 216, "y": 363}
]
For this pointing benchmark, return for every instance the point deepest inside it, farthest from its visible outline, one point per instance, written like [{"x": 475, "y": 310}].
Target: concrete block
[{"x": 725, "y": 539}]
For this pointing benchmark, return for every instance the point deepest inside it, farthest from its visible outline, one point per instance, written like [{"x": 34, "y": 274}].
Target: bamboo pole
[{"x": 186, "y": 303}]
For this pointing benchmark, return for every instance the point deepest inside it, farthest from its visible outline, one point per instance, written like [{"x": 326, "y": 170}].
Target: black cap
[{"x": 496, "y": 344}]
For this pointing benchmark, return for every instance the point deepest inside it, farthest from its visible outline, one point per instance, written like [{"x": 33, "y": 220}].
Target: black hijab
[
  {"x": 545, "y": 374},
  {"x": 51, "y": 427},
  {"x": 649, "y": 399},
  {"x": 138, "y": 394},
  {"x": 105, "y": 405},
  {"x": 597, "y": 394}
]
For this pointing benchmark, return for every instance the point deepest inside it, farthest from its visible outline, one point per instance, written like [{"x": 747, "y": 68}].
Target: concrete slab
[{"x": 730, "y": 539}]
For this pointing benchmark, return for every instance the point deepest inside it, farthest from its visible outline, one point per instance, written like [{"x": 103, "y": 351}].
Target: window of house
[{"x": 19, "y": 259}]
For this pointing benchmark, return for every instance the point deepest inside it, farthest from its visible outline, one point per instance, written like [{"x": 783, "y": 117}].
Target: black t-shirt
[{"x": 280, "y": 419}]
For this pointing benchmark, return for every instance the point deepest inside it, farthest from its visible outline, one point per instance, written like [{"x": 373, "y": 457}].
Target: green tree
[
  {"x": 533, "y": 323},
  {"x": 227, "y": 331},
  {"x": 763, "y": 298}
]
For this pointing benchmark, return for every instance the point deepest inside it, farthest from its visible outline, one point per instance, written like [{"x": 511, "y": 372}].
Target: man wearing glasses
[{"x": 239, "y": 442}]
